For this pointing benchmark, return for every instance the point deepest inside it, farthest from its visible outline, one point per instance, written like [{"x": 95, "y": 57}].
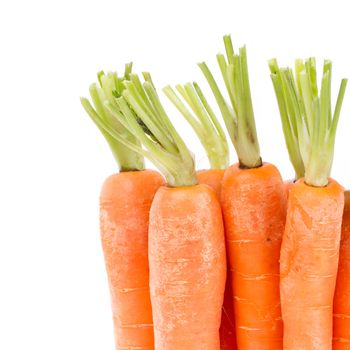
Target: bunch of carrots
[{"x": 230, "y": 257}]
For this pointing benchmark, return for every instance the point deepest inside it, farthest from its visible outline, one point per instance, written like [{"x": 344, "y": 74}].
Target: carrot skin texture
[
  {"x": 213, "y": 178},
  {"x": 341, "y": 306},
  {"x": 125, "y": 202},
  {"x": 187, "y": 268},
  {"x": 254, "y": 208},
  {"x": 309, "y": 264}
]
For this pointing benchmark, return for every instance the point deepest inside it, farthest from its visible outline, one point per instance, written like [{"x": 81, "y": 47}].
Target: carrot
[
  {"x": 124, "y": 210},
  {"x": 125, "y": 246},
  {"x": 309, "y": 262},
  {"x": 186, "y": 235},
  {"x": 310, "y": 247},
  {"x": 209, "y": 131},
  {"x": 341, "y": 305},
  {"x": 253, "y": 204},
  {"x": 188, "y": 270},
  {"x": 254, "y": 239}
]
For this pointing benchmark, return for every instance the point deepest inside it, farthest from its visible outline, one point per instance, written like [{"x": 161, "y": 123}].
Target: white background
[{"x": 53, "y": 288}]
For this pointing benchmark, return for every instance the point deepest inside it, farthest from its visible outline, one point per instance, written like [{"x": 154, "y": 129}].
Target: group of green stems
[{"x": 135, "y": 124}]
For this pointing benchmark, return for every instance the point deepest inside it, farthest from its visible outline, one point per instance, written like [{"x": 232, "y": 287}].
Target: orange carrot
[
  {"x": 310, "y": 246},
  {"x": 186, "y": 235},
  {"x": 253, "y": 204},
  {"x": 188, "y": 268},
  {"x": 309, "y": 263},
  {"x": 125, "y": 246},
  {"x": 212, "y": 136},
  {"x": 341, "y": 306},
  {"x": 124, "y": 213}
]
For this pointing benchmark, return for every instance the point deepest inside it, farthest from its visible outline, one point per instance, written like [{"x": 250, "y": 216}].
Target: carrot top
[
  {"x": 308, "y": 122},
  {"x": 123, "y": 144},
  {"x": 280, "y": 80},
  {"x": 140, "y": 111},
  {"x": 238, "y": 115},
  {"x": 204, "y": 122}
]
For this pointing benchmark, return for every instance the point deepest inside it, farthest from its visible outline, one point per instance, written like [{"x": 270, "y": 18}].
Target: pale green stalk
[
  {"x": 308, "y": 122},
  {"x": 289, "y": 113},
  {"x": 141, "y": 112},
  {"x": 123, "y": 144},
  {"x": 203, "y": 122},
  {"x": 238, "y": 115}
]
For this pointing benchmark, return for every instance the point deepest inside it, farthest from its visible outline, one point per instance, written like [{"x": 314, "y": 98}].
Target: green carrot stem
[
  {"x": 139, "y": 109},
  {"x": 308, "y": 111},
  {"x": 239, "y": 115},
  {"x": 125, "y": 145},
  {"x": 288, "y": 114},
  {"x": 203, "y": 122}
]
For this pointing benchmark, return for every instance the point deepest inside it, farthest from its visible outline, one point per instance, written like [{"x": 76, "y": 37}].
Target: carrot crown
[
  {"x": 238, "y": 115},
  {"x": 124, "y": 143},
  {"x": 140, "y": 111},
  {"x": 204, "y": 122},
  {"x": 308, "y": 116}
]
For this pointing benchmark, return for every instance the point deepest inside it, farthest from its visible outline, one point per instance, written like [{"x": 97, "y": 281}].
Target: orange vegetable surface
[
  {"x": 309, "y": 264},
  {"x": 124, "y": 211},
  {"x": 187, "y": 268},
  {"x": 254, "y": 208}
]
